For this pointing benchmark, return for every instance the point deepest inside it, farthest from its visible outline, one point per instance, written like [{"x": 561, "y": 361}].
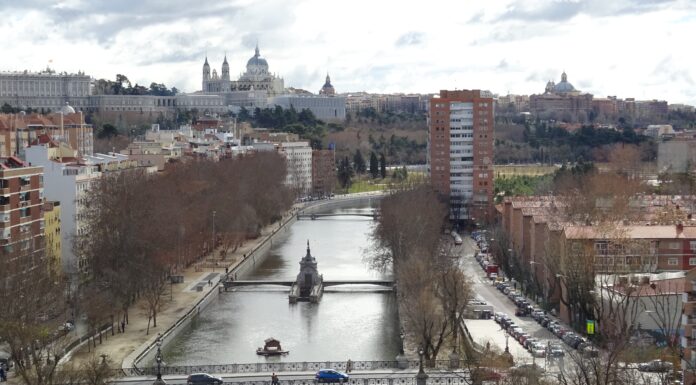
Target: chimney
[{"x": 680, "y": 229}]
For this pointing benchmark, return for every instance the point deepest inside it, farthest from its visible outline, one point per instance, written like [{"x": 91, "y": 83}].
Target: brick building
[
  {"x": 460, "y": 152},
  {"x": 21, "y": 217}
]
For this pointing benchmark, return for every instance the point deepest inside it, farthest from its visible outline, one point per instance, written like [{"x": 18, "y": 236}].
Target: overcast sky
[{"x": 628, "y": 48}]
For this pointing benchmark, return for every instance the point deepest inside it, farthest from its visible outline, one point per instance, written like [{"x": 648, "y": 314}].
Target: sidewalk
[{"x": 177, "y": 300}]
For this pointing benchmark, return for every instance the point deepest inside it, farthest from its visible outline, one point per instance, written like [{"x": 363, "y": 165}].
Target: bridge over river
[{"x": 357, "y": 313}]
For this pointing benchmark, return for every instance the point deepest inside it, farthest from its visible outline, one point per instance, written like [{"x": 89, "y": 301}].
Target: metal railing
[
  {"x": 440, "y": 380},
  {"x": 279, "y": 367}
]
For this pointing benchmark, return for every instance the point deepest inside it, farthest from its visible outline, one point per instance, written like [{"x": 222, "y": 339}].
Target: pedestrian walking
[
  {"x": 227, "y": 270},
  {"x": 3, "y": 377},
  {"x": 349, "y": 366},
  {"x": 274, "y": 379},
  {"x": 210, "y": 283},
  {"x": 123, "y": 326}
]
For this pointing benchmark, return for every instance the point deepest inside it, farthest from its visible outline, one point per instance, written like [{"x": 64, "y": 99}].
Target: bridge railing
[
  {"x": 440, "y": 380},
  {"x": 279, "y": 367}
]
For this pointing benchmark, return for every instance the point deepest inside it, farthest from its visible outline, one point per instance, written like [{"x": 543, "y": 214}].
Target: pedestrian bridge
[
  {"x": 373, "y": 215},
  {"x": 376, "y": 282}
]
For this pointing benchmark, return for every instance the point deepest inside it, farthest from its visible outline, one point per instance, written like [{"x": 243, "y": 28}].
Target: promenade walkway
[{"x": 176, "y": 302}]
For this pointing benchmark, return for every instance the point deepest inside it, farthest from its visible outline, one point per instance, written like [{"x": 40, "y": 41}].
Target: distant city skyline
[{"x": 627, "y": 48}]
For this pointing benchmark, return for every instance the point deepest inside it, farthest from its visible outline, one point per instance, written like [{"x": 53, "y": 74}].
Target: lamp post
[
  {"x": 213, "y": 248},
  {"x": 158, "y": 358},
  {"x": 421, "y": 377}
]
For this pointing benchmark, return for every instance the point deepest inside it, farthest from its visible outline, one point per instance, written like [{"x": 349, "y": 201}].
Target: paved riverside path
[{"x": 175, "y": 304}]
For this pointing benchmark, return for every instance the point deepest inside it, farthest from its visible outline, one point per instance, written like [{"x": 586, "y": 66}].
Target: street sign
[{"x": 590, "y": 327}]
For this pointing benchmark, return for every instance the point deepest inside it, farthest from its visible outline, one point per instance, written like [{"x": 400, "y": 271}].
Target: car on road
[
  {"x": 203, "y": 379},
  {"x": 330, "y": 375},
  {"x": 658, "y": 366}
]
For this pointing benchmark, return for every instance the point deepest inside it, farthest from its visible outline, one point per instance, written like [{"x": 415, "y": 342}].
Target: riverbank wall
[{"x": 145, "y": 354}]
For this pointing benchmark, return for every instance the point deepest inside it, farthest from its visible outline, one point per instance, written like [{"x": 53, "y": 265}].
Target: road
[
  {"x": 488, "y": 330},
  {"x": 296, "y": 376}
]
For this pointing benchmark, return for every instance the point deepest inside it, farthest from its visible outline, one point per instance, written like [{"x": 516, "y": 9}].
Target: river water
[{"x": 350, "y": 321}]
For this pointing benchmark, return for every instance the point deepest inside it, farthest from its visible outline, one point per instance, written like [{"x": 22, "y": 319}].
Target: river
[{"x": 349, "y": 322}]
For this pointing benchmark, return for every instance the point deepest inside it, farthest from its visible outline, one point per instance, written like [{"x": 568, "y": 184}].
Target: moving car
[
  {"x": 330, "y": 375},
  {"x": 203, "y": 379}
]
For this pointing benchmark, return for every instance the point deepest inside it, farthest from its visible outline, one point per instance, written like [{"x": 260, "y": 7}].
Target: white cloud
[{"x": 628, "y": 48}]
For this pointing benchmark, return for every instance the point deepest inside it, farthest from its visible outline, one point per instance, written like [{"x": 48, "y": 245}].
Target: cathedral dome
[
  {"x": 257, "y": 64},
  {"x": 564, "y": 86}
]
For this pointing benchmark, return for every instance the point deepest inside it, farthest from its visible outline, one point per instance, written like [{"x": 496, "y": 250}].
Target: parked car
[
  {"x": 656, "y": 366},
  {"x": 589, "y": 351},
  {"x": 203, "y": 379},
  {"x": 538, "y": 350},
  {"x": 330, "y": 375},
  {"x": 555, "y": 350}
]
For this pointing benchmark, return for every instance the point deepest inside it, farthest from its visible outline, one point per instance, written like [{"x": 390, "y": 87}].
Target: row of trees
[
  {"x": 123, "y": 86},
  {"x": 346, "y": 169},
  {"x": 302, "y": 123},
  {"x": 433, "y": 292},
  {"x": 142, "y": 227}
]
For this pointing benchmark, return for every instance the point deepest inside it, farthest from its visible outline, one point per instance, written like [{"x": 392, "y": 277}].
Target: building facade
[
  {"x": 561, "y": 101},
  {"x": 51, "y": 215},
  {"x": 460, "y": 152},
  {"x": 298, "y": 157},
  {"x": 46, "y": 89},
  {"x": 21, "y": 219},
  {"x": 327, "y": 108}
]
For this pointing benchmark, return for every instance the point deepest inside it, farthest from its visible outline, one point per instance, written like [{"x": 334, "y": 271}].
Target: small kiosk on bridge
[{"x": 309, "y": 285}]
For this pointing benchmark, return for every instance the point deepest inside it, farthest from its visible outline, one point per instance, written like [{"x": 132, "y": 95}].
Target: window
[
  {"x": 673, "y": 245},
  {"x": 692, "y": 261},
  {"x": 673, "y": 262},
  {"x": 692, "y": 245}
]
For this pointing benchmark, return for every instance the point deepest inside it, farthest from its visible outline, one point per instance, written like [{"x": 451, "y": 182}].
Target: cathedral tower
[{"x": 206, "y": 75}]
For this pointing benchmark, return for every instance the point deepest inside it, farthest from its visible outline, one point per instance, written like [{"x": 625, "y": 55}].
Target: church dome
[
  {"x": 67, "y": 109},
  {"x": 257, "y": 64},
  {"x": 564, "y": 86}
]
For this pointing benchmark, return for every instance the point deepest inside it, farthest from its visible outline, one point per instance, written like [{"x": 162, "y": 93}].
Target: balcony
[
  {"x": 688, "y": 342},
  {"x": 688, "y": 297},
  {"x": 689, "y": 319}
]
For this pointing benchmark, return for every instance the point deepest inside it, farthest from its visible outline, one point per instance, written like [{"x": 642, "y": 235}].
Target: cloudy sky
[{"x": 629, "y": 48}]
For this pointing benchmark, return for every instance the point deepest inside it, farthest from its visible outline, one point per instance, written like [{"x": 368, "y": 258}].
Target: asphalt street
[{"x": 297, "y": 376}]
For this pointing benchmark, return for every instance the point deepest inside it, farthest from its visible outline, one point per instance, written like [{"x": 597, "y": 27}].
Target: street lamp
[
  {"x": 401, "y": 340},
  {"x": 421, "y": 377},
  {"x": 158, "y": 358},
  {"x": 213, "y": 248},
  {"x": 420, "y": 355}
]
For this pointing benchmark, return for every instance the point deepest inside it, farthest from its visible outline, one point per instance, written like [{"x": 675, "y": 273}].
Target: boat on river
[{"x": 271, "y": 347}]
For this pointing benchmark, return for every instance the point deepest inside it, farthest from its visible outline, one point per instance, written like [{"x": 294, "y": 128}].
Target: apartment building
[
  {"x": 51, "y": 215},
  {"x": 298, "y": 157},
  {"x": 21, "y": 218},
  {"x": 460, "y": 152},
  {"x": 688, "y": 322}
]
